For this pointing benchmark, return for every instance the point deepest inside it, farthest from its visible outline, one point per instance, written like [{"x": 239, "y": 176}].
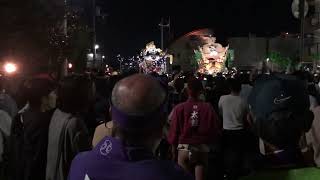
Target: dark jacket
[{"x": 68, "y": 136}]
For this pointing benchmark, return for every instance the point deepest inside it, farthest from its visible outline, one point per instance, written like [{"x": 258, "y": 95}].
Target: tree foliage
[
  {"x": 25, "y": 29},
  {"x": 32, "y": 31},
  {"x": 282, "y": 61}
]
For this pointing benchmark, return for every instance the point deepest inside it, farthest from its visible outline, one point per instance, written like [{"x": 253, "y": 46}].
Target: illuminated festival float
[
  {"x": 210, "y": 56},
  {"x": 198, "y": 51},
  {"x": 153, "y": 59}
]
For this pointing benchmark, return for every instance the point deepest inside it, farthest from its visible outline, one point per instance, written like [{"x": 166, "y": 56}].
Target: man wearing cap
[
  {"x": 138, "y": 114},
  {"x": 279, "y": 112},
  {"x": 194, "y": 126}
]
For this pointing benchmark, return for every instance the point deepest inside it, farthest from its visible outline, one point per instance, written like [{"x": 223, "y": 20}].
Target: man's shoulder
[
  {"x": 79, "y": 165},
  {"x": 234, "y": 98},
  {"x": 86, "y": 164},
  {"x": 59, "y": 116},
  {"x": 4, "y": 114},
  {"x": 82, "y": 157},
  {"x": 182, "y": 106},
  {"x": 168, "y": 170},
  {"x": 130, "y": 172},
  {"x": 224, "y": 97}
]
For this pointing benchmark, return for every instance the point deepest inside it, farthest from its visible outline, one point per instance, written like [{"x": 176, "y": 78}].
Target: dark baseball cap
[{"x": 280, "y": 105}]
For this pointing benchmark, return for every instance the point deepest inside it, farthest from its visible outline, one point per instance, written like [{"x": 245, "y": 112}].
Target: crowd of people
[{"x": 136, "y": 126}]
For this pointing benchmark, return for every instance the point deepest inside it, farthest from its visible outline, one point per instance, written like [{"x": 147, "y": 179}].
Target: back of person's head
[
  {"x": 37, "y": 89},
  {"x": 75, "y": 94},
  {"x": 179, "y": 85},
  {"x": 279, "y": 108},
  {"x": 21, "y": 98},
  {"x": 244, "y": 78},
  {"x": 195, "y": 87},
  {"x": 234, "y": 85},
  {"x": 188, "y": 76},
  {"x": 101, "y": 85},
  {"x": 138, "y": 109}
]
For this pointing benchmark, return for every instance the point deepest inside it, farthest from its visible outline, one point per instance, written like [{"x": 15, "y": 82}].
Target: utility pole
[
  {"x": 64, "y": 63},
  {"x": 302, "y": 19},
  {"x": 316, "y": 34},
  {"x": 65, "y": 22},
  {"x": 162, "y": 26},
  {"x": 94, "y": 33}
]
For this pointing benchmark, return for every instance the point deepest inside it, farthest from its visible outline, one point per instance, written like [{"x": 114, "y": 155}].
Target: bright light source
[
  {"x": 10, "y": 68},
  {"x": 287, "y": 33},
  {"x": 205, "y": 79},
  {"x": 268, "y": 59},
  {"x": 103, "y": 57},
  {"x": 90, "y": 55},
  {"x": 211, "y": 71},
  {"x": 96, "y": 46},
  {"x": 107, "y": 66},
  {"x": 70, "y": 65},
  {"x": 171, "y": 59},
  {"x": 214, "y": 53}
]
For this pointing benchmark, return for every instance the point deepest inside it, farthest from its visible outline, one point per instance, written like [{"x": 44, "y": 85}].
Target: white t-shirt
[{"x": 233, "y": 110}]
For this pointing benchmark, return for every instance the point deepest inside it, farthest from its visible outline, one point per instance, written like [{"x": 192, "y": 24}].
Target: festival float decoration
[
  {"x": 153, "y": 59},
  {"x": 210, "y": 56}
]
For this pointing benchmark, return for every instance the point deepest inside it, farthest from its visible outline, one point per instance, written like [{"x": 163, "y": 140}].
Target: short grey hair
[{"x": 138, "y": 98}]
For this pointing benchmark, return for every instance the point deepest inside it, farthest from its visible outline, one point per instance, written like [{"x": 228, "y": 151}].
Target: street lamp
[
  {"x": 96, "y": 47},
  {"x": 10, "y": 68},
  {"x": 70, "y": 65},
  {"x": 90, "y": 55}
]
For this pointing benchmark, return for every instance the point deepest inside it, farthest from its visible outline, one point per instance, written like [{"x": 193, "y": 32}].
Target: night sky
[{"x": 132, "y": 23}]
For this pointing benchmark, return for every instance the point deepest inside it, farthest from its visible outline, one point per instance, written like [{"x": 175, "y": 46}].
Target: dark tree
[{"x": 32, "y": 32}]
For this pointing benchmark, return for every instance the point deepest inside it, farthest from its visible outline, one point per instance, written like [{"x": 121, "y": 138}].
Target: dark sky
[{"x": 132, "y": 23}]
